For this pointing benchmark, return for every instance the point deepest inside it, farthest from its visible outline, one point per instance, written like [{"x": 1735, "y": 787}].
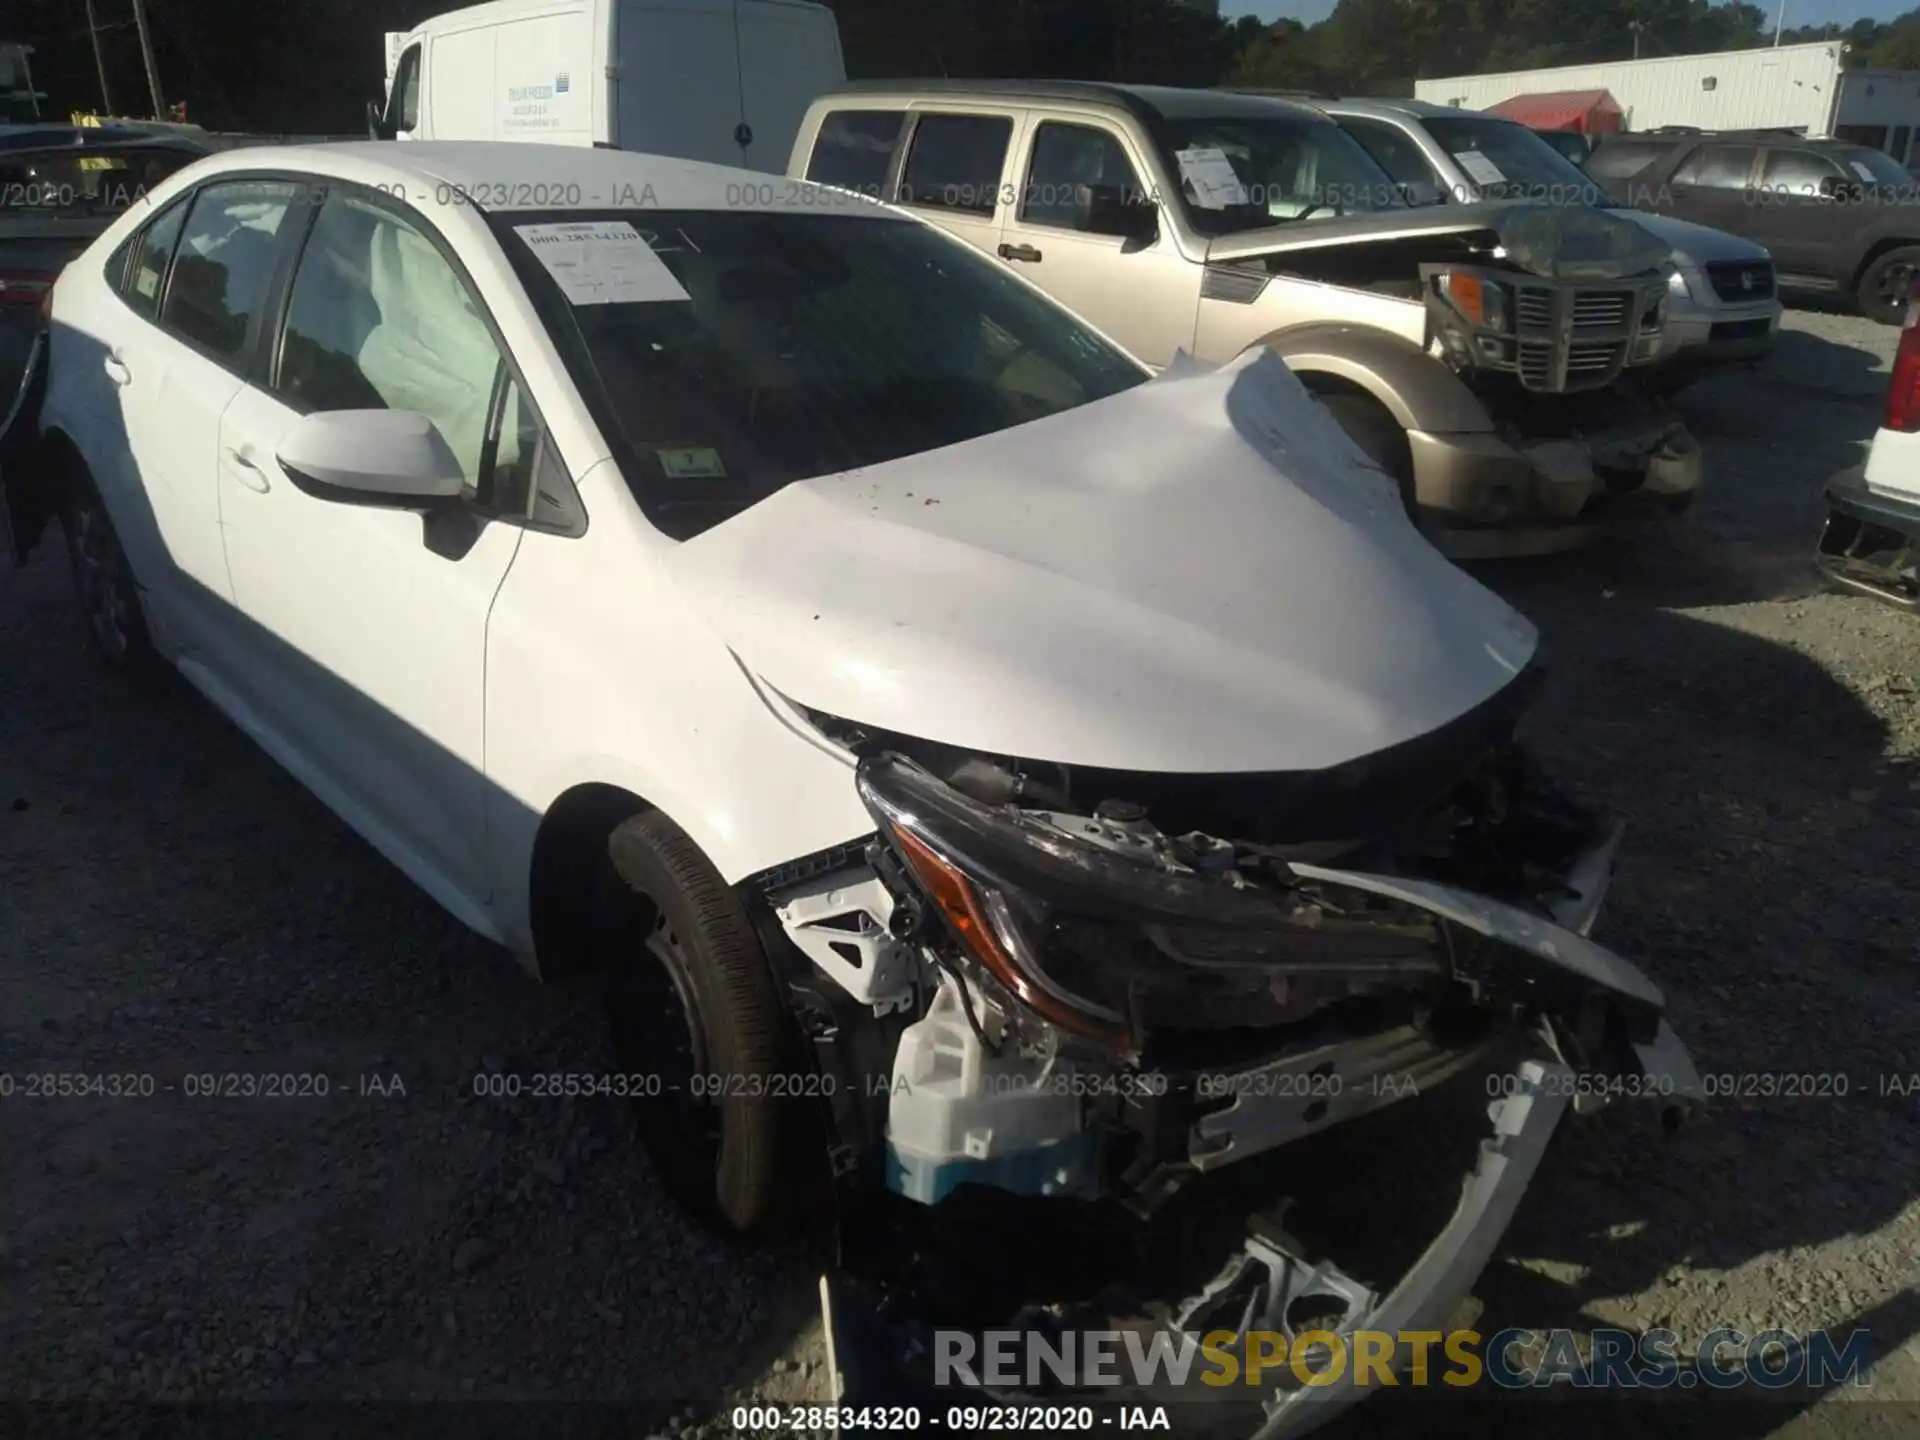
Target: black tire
[
  {"x": 103, "y": 580},
  {"x": 692, "y": 995},
  {"x": 1882, "y": 294},
  {"x": 1377, "y": 433}
]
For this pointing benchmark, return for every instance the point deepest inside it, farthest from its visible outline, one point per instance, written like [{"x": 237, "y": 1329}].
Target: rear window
[
  {"x": 955, "y": 162},
  {"x": 1617, "y": 159},
  {"x": 854, "y": 149},
  {"x": 76, "y": 183},
  {"x": 779, "y": 346}
]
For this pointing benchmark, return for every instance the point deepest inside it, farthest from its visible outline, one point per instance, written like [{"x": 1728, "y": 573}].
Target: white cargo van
[{"x": 720, "y": 80}]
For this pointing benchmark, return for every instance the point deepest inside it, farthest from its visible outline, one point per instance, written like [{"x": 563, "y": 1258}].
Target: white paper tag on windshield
[
  {"x": 1480, "y": 170},
  {"x": 1862, "y": 171},
  {"x": 1215, "y": 185},
  {"x": 602, "y": 262}
]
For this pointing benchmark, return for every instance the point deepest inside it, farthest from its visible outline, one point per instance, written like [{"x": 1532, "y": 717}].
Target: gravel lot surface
[{"x": 174, "y": 905}]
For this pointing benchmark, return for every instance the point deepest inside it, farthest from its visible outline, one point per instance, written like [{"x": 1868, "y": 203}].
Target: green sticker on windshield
[{"x": 692, "y": 462}]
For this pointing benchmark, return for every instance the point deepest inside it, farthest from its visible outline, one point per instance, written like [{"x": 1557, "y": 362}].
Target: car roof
[
  {"x": 1145, "y": 102},
  {"x": 1379, "y": 108},
  {"x": 507, "y": 176},
  {"x": 17, "y": 138}
]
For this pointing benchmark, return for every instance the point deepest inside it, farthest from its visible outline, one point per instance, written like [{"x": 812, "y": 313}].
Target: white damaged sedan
[{"x": 989, "y": 775}]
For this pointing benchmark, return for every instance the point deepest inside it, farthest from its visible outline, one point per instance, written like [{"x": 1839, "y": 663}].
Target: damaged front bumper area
[
  {"x": 1096, "y": 1039},
  {"x": 1870, "y": 543},
  {"x": 1545, "y": 489}
]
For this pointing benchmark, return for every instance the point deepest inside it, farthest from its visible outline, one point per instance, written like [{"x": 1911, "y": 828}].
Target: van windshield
[
  {"x": 763, "y": 348},
  {"x": 1238, "y": 173}
]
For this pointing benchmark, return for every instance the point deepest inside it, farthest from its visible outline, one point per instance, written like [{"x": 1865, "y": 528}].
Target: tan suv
[{"x": 1488, "y": 356}]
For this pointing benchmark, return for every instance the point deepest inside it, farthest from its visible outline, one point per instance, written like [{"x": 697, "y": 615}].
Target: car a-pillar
[{"x": 705, "y": 1044}]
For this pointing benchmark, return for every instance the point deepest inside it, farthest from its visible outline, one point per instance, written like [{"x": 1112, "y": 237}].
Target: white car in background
[
  {"x": 1873, "y": 509},
  {"x": 980, "y": 766}
]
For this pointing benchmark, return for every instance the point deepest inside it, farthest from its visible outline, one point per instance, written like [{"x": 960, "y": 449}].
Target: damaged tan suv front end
[{"x": 1489, "y": 357}]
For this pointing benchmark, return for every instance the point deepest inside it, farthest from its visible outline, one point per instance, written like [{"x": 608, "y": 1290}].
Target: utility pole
[
  {"x": 153, "y": 69},
  {"x": 99, "y": 61},
  {"x": 1779, "y": 21},
  {"x": 1636, "y": 27}
]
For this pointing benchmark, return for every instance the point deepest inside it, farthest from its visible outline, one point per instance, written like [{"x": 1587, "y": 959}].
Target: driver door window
[
  {"x": 378, "y": 319},
  {"x": 1067, "y": 162},
  {"x": 1059, "y": 161}
]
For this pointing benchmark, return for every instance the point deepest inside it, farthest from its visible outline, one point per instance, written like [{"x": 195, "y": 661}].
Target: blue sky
[{"x": 1799, "y": 12}]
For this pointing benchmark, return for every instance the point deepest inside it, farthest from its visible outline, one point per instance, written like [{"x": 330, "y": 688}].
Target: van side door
[
  {"x": 677, "y": 86},
  {"x": 788, "y": 55},
  {"x": 1141, "y": 292}
]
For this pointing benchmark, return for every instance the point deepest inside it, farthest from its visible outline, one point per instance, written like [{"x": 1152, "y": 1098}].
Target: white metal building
[{"x": 1796, "y": 87}]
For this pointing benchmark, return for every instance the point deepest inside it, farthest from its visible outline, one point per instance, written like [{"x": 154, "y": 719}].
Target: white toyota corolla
[{"x": 990, "y": 775}]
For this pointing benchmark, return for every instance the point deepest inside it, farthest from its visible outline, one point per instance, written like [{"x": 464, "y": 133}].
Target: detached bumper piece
[
  {"x": 1868, "y": 544},
  {"x": 882, "y": 1352}
]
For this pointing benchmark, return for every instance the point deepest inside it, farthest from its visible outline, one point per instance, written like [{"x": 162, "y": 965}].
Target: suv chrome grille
[
  {"x": 1738, "y": 280},
  {"x": 1600, "y": 309}
]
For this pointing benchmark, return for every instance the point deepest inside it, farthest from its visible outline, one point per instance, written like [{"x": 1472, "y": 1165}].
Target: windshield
[
  {"x": 763, "y": 348},
  {"x": 1246, "y": 174},
  {"x": 78, "y": 182},
  {"x": 1503, "y": 160},
  {"x": 1876, "y": 167}
]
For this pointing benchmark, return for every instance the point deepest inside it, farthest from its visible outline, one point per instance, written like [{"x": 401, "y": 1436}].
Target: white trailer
[{"x": 1795, "y": 87}]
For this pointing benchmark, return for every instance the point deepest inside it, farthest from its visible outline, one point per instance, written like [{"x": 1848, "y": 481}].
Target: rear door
[
  {"x": 678, "y": 81},
  {"x": 1714, "y": 185},
  {"x": 1805, "y": 229},
  {"x": 789, "y": 55},
  {"x": 957, "y": 169}
]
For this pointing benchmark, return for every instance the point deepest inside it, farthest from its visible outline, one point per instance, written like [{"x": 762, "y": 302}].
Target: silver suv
[
  {"x": 1484, "y": 355},
  {"x": 1724, "y": 308}
]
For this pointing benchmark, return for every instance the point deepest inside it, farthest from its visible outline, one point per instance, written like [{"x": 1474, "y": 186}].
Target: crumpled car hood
[
  {"x": 1201, "y": 574},
  {"x": 1558, "y": 242}
]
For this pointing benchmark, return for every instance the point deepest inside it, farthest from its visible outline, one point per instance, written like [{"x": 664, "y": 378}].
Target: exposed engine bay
[
  {"x": 1074, "y": 988},
  {"x": 1060, "y": 1006}
]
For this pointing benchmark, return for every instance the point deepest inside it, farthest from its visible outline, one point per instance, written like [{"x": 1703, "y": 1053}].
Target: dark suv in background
[
  {"x": 60, "y": 186},
  {"x": 1839, "y": 218}
]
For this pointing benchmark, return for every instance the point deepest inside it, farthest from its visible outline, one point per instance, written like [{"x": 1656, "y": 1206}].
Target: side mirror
[
  {"x": 377, "y": 127},
  {"x": 389, "y": 459},
  {"x": 1117, "y": 210}
]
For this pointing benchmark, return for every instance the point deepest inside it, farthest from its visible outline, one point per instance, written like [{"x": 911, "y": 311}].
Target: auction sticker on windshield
[
  {"x": 602, "y": 262},
  {"x": 1215, "y": 184},
  {"x": 1480, "y": 170}
]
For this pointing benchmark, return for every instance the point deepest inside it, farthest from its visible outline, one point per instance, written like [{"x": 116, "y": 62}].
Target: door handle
[
  {"x": 248, "y": 473},
  {"x": 116, "y": 368},
  {"x": 1019, "y": 252}
]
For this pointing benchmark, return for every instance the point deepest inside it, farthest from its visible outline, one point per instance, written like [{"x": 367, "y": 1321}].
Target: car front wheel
[
  {"x": 696, "y": 1013},
  {"x": 1885, "y": 283}
]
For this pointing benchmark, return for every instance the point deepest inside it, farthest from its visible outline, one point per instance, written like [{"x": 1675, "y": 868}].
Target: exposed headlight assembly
[
  {"x": 1096, "y": 942},
  {"x": 1483, "y": 304}
]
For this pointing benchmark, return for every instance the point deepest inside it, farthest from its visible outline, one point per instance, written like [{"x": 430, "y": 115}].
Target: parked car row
[{"x": 1839, "y": 219}]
